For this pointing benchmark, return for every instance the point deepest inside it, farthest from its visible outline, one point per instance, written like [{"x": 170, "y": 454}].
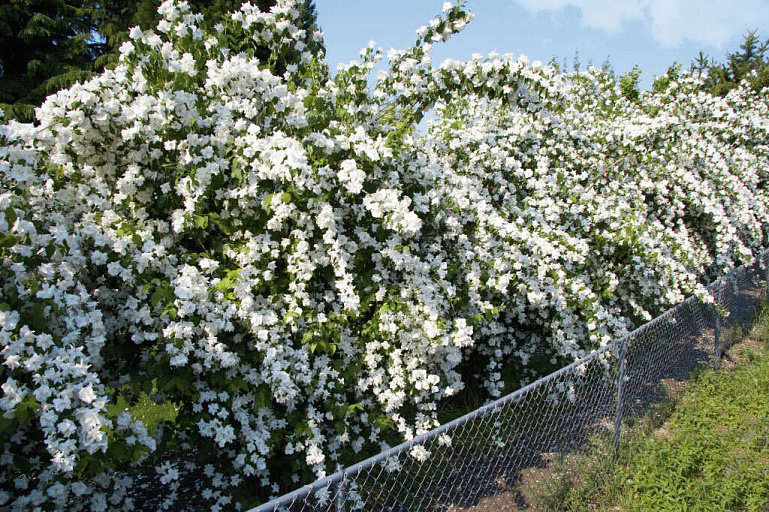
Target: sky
[{"x": 652, "y": 34}]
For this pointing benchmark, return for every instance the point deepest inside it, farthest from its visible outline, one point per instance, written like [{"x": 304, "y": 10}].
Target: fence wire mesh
[{"x": 476, "y": 462}]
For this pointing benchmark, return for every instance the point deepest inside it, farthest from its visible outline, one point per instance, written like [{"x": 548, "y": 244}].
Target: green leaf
[
  {"x": 200, "y": 221},
  {"x": 25, "y": 410},
  {"x": 10, "y": 215},
  {"x": 267, "y": 201},
  {"x": 8, "y": 241},
  {"x": 145, "y": 409},
  {"x": 261, "y": 400},
  {"x": 384, "y": 423},
  {"x": 156, "y": 298},
  {"x": 8, "y": 426},
  {"x": 353, "y": 408}
]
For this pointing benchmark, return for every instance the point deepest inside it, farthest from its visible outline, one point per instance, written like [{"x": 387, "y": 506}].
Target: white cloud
[{"x": 708, "y": 22}]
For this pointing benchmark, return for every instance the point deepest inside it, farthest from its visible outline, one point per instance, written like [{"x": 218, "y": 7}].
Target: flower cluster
[{"x": 223, "y": 269}]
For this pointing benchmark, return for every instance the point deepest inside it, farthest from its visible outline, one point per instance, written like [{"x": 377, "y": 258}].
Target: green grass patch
[
  {"x": 713, "y": 453},
  {"x": 707, "y": 450}
]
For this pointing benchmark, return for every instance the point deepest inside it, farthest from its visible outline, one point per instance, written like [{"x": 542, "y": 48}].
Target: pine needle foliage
[
  {"x": 750, "y": 63},
  {"x": 45, "y": 45},
  {"x": 48, "y": 45}
]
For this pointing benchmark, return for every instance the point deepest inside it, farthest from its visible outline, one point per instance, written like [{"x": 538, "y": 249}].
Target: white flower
[
  {"x": 164, "y": 26},
  {"x": 420, "y": 453},
  {"x": 187, "y": 64},
  {"x": 12, "y": 395},
  {"x": 351, "y": 176},
  {"x": 127, "y": 48},
  {"x": 86, "y": 394}
]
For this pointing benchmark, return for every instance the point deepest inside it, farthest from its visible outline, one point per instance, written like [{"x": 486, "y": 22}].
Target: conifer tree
[
  {"x": 751, "y": 63},
  {"x": 45, "y": 45}
]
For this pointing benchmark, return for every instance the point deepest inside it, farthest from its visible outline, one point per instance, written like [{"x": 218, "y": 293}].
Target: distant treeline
[{"x": 750, "y": 62}]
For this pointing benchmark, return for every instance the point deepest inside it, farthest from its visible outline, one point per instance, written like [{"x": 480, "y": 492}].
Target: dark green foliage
[
  {"x": 44, "y": 45},
  {"x": 662, "y": 83},
  {"x": 48, "y": 45},
  {"x": 702, "y": 63},
  {"x": 751, "y": 63},
  {"x": 116, "y": 17},
  {"x": 309, "y": 22},
  {"x": 628, "y": 84}
]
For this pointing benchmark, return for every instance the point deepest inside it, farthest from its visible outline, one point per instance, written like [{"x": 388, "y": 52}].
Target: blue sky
[{"x": 650, "y": 33}]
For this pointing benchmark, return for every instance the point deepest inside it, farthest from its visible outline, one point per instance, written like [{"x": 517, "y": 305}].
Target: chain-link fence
[{"x": 476, "y": 462}]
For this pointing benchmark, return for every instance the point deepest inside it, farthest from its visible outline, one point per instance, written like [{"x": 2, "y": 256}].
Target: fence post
[
  {"x": 764, "y": 259},
  {"x": 340, "y": 500},
  {"x": 766, "y": 265},
  {"x": 620, "y": 395},
  {"x": 717, "y": 323}
]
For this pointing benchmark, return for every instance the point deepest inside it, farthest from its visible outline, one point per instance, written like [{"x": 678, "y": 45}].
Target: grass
[{"x": 705, "y": 450}]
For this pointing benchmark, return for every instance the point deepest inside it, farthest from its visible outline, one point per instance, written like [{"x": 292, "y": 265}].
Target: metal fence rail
[{"x": 476, "y": 461}]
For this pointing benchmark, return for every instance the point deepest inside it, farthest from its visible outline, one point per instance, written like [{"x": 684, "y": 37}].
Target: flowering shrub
[{"x": 235, "y": 274}]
